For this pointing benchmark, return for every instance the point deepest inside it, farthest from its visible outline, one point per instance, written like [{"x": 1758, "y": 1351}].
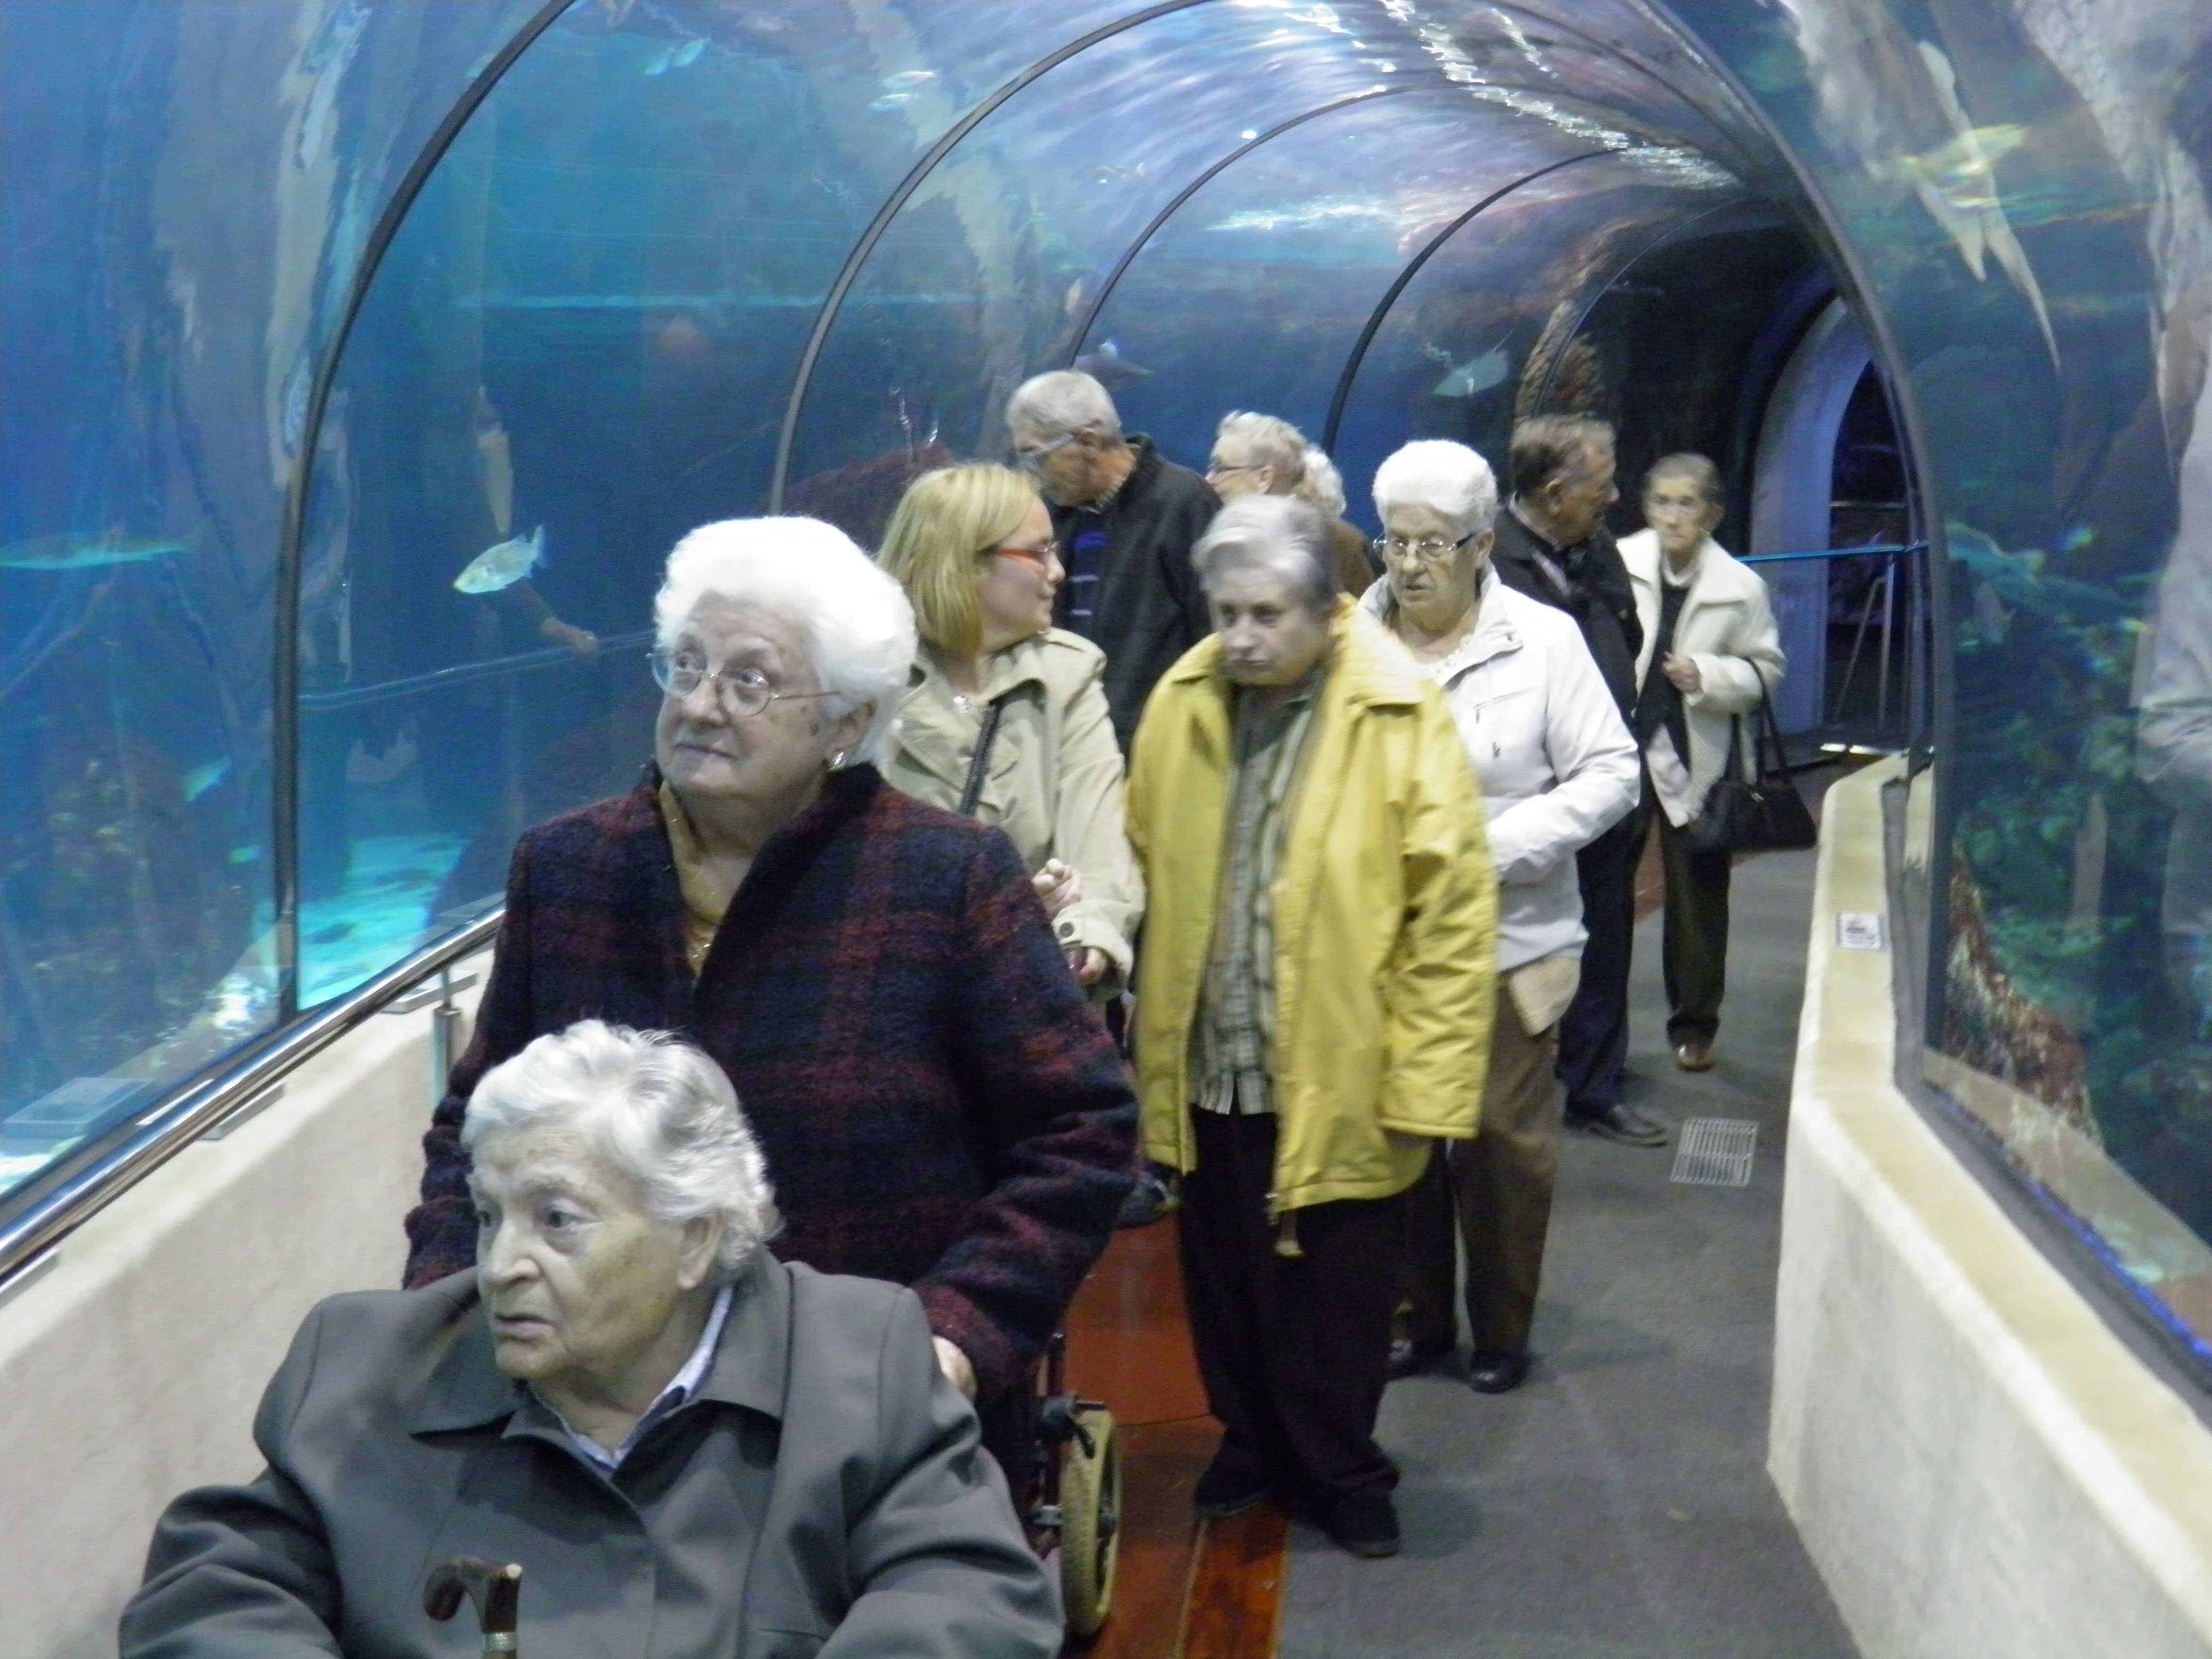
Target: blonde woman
[{"x": 1006, "y": 716}]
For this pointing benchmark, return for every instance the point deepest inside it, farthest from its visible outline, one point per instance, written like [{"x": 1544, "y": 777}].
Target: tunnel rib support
[
  {"x": 1435, "y": 245},
  {"x": 833, "y": 301}
]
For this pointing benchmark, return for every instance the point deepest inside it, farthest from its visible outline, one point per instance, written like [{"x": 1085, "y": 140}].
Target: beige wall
[
  {"x": 131, "y": 1369},
  {"x": 1977, "y": 1465}
]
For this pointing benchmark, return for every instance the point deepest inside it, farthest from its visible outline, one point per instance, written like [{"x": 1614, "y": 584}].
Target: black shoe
[
  {"x": 1363, "y": 1523},
  {"x": 1148, "y": 1201},
  {"x": 1498, "y": 1373},
  {"x": 1230, "y": 1486},
  {"x": 1622, "y": 1123},
  {"x": 1408, "y": 1356}
]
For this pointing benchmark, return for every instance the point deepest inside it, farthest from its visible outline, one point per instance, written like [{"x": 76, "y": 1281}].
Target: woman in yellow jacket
[{"x": 1315, "y": 1001}]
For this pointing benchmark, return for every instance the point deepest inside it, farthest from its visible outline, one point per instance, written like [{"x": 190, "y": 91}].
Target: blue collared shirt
[{"x": 680, "y": 1389}]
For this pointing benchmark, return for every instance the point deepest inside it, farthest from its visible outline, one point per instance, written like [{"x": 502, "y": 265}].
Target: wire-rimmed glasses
[
  {"x": 1429, "y": 550},
  {"x": 1032, "y": 460},
  {"x": 743, "y": 692}
]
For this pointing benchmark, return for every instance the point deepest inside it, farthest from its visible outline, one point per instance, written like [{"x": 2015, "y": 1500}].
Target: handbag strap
[
  {"x": 1735, "y": 748},
  {"x": 1769, "y": 726},
  {"x": 980, "y": 767}
]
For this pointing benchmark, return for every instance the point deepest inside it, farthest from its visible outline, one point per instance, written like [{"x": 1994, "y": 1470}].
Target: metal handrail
[
  {"x": 1880, "y": 550},
  {"x": 190, "y": 1113},
  {"x": 466, "y": 673}
]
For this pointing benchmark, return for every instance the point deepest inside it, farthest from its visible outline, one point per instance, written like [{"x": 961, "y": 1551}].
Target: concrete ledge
[
  {"x": 1976, "y": 1463},
  {"x": 131, "y": 1369}
]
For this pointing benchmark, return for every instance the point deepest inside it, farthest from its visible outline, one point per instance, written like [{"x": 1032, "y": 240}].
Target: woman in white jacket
[
  {"x": 1709, "y": 640},
  {"x": 1557, "y": 769}
]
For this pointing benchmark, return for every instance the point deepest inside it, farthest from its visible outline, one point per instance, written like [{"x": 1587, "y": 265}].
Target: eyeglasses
[
  {"x": 743, "y": 692},
  {"x": 1032, "y": 460},
  {"x": 1218, "y": 471},
  {"x": 1039, "y": 556},
  {"x": 1430, "y": 550}
]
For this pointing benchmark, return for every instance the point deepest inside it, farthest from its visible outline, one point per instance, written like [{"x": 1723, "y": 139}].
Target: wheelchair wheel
[{"x": 1090, "y": 1523}]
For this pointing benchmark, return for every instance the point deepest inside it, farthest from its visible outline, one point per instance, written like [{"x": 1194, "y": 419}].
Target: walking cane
[{"x": 496, "y": 1592}]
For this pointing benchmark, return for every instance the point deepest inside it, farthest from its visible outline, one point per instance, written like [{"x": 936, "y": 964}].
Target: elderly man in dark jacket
[
  {"x": 938, "y": 1103},
  {"x": 688, "y": 1446},
  {"x": 1552, "y": 545},
  {"x": 1126, "y": 517}
]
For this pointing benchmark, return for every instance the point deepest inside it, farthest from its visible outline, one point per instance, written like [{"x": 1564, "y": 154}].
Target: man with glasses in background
[
  {"x": 1126, "y": 518},
  {"x": 1552, "y": 545}
]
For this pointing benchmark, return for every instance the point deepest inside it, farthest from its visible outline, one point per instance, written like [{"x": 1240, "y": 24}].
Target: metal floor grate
[{"x": 1714, "y": 1152}]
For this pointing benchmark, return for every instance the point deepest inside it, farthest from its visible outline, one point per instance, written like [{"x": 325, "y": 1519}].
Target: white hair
[
  {"x": 1322, "y": 485},
  {"x": 856, "y": 620},
  {"x": 656, "y": 1109},
  {"x": 1443, "y": 476},
  {"x": 1265, "y": 441},
  {"x": 1280, "y": 533},
  {"x": 1066, "y": 400}
]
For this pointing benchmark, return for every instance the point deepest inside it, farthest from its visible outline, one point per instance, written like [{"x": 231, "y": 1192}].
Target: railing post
[{"x": 444, "y": 1020}]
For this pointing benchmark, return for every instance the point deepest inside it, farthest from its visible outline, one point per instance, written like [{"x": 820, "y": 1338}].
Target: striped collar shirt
[
  {"x": 673, "y": 1398},
  {"x": 1235, "y": 1025}
]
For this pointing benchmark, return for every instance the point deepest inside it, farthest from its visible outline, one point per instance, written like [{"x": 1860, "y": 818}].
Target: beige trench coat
[{"x": 1055, "y": 776}]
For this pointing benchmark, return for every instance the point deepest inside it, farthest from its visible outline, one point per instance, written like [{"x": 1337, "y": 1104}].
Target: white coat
[
  {"x": 1557, "y": 765},
  {"x": 1726, "y": 628}
]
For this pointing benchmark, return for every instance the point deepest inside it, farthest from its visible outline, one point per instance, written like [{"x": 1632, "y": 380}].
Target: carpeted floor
[{"x": 1618, "y": 1503}]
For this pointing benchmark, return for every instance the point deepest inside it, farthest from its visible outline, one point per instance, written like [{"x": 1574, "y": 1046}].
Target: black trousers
[
  {"x": 1593, "y": 1034},
  {"x": 1294, "y": 1350},
  {"x": 1693, "y": 938}
]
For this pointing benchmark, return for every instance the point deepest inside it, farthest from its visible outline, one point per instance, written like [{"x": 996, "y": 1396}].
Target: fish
[
  {"x": 1475, "y": 374},
  {"x": 84, "y": 552},
  {"x": 906, "y": 80},
  {"x": 676, "y": 54},
  {"x": 2021, "y": 581},
  {"x": 891, "y": 100},
  {"x": 503, "y": 565},
  {"x": 204, "y": 776},
  {"x": 1110, "y": 368}
]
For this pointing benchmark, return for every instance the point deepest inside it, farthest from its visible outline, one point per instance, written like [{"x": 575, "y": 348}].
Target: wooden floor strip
[{"x": 1235, "y": 1596}]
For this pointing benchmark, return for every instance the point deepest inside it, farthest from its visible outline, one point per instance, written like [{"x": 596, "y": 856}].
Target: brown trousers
[{"x": 1499, "y": 1184}]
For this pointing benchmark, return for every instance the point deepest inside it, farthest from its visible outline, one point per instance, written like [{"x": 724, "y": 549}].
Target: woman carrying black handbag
[{"x": 1710, "y": 661}]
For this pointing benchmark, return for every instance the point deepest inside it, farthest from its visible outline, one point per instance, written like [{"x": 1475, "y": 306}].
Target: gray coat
[{"x": 822, "y": 1492}]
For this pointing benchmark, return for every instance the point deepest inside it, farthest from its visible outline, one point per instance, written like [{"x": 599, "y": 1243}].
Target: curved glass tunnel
[{"x": 308, "y": 303}]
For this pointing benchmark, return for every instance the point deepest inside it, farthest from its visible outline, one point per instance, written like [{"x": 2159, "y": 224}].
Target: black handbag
[{"x": 1757, "y": 813}]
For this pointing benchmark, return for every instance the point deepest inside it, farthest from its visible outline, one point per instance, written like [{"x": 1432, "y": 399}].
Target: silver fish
[
  {"x": 84, "y": 552},
  {"x": 502, "y": 565},
  {"x": 676, "y": 54},
  {"x": 1477, "y": 374},
  {"x": 204, "y": 777},
  {"x": 1110, "y": 368}
]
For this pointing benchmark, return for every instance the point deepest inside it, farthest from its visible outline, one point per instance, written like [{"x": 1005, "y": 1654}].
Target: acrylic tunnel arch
[
  {"x": 833, "y": 304},
  {"x": 285, "y": 834}
]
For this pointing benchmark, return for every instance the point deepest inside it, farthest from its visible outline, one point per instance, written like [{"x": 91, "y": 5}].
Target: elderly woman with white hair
[
  {"x": 939, "y": 1104},
  {"x": 1556, "y": 767},
  {"x": 629, "y": 1397},
  {"x": 1258, "y": 454}
]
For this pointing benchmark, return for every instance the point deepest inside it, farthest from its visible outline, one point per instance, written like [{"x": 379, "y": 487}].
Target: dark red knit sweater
[{"x": 939, "y": 1104}]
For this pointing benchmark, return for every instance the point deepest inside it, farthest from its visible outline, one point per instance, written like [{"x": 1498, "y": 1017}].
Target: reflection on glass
[{"x": 2000, "y": 176}]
